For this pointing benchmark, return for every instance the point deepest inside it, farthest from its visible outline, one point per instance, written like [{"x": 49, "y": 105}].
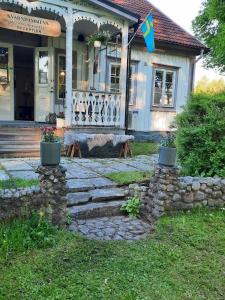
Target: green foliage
[
  {"x": 132, "y": 207},
  {"x": 144, "y": 148},
  {"x": 101, "y": 36},
  {"x": 209, "y": 26},
  {"x": 14, "y": 183},
  {"x": 183, "y": 259},
  {"x": 201, "y": 136},
  {"x": 204, "y": 85},
  {"x": 25, "y": 234},
  {"x": 125, "y": 178}
]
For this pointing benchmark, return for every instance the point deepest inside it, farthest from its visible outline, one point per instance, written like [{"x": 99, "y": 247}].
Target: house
[{"x": 47, "y": 67}]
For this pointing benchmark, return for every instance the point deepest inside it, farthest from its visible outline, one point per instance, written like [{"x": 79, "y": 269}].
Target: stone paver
[
  {"x": 90, "y": 171},
  {"x": 112, "y": 228},
  {"x": 15, "y": 165},
  {"x": 24, "y": 174}
]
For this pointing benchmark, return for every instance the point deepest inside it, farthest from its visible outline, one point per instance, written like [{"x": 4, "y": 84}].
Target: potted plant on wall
[
  {"x": 168, "y": 151},
  {"x": 50, "y": 147},
  {"x": 60, "y": 120},
  {"x": 98, "y": 39}
]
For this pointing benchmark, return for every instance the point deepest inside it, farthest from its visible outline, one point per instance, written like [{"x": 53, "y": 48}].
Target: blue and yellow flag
[{"x": 147, "y": 29}]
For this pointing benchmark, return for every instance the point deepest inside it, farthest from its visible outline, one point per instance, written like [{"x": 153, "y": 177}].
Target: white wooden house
[{"x": 41, "y": 74}]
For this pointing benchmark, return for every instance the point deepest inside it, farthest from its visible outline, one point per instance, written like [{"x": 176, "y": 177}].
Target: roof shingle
[{"x": 166, "y": 30}]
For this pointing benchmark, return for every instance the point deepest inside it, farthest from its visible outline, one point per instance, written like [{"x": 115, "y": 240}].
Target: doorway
[{"x": 24, "y": 83}]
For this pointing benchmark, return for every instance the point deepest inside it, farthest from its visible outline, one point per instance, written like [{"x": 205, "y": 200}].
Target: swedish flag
[{"x": 147, "y": 29}]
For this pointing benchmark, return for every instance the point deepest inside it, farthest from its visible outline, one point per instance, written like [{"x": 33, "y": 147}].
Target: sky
[{"x": 183, "y": 12}]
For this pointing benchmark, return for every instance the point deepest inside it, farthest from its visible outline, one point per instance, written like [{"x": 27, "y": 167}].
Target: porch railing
[{"x": 96, "y": 108}]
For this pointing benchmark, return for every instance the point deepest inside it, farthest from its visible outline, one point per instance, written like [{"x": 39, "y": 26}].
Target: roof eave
[{"x": 117, "y": 10}]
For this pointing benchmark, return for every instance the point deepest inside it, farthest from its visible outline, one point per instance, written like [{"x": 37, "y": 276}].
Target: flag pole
[{"x": 134, "y": 35}]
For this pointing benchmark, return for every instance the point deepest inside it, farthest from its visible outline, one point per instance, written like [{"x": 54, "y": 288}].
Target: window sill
[{"x": 163, "y": 109}]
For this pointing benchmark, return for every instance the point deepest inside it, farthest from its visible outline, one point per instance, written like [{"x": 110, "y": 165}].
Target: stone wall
[
  {"x": 169, "y": 193},
  {"x": 49, "y": 198}
]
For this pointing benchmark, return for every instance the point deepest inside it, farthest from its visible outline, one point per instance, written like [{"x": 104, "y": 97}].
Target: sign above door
[{"x": 24, "y": 23}]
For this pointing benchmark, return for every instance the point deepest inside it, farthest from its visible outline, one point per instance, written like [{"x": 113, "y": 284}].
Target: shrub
[
  {"x": 201, "y": 136},
  {"x": 132, "y": 207}
]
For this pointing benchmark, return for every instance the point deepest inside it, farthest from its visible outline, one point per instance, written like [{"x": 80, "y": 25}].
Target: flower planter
[
  {"x": 50, "y": 153},
  {"x": 97, "y": 44},
  {"x": 60, "y": 123},
  {"x": 167, "y": 156}
]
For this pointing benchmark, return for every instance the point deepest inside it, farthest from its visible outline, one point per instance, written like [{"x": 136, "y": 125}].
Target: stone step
[
  {"x": 98, "y": 195},
  {"x": 96, "y": 210},
  {"x": 19, "y": 147},
  {"x": 19, "y": 142},
  {"x": 84, "y": 185}
]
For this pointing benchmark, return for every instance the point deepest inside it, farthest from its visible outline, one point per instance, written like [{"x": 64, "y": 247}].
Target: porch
[{"x": 71, "y": 76}]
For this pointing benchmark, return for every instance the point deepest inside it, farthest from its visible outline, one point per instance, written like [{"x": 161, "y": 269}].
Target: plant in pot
[
  {"x": 98, "y": 39},
  {"x": 168, "y": 151},
  {"x": 50, "y": 147},
  {"x": 60, "y": 120}
]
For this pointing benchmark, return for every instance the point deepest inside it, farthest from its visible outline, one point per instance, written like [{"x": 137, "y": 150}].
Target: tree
[
  {"x": 206, "y": 86},
  {"x": 209, "y": 26}
]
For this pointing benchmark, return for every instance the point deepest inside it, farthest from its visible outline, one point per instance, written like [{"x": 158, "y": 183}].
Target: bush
[{"x": 201, "y": 136}]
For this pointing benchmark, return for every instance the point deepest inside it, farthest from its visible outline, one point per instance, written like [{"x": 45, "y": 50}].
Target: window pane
[
  {"x": 62, "y": 91},
  {"x": 62, "y": 62},
  {"x": 43, "y": 67},
  {"x": 159, "y": 76},
  {"x": 118, "y": 71},
  {"x": 168, "y": 99},
  {"x": 4, "y": 59},
  {"x": 169, "y": 77},
  {"x": 157, "y": 98}
]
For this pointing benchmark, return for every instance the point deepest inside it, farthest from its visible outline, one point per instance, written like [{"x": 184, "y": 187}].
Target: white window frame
[
  {"x": 111, "y": 64},
  {"x": 133, "y": 94},
  {"x": 165, "y": 70},
  {"x": 58, "y": 70}
]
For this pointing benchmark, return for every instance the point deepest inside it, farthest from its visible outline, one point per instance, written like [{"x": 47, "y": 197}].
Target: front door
[
  {"x": 6, "y": 82},
  {"x": 44, "y": 83}
]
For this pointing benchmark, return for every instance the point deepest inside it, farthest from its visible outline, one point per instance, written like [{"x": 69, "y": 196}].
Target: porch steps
[
  {"x": 19, "y": 142},
  {"x": 96, "y": 203}
]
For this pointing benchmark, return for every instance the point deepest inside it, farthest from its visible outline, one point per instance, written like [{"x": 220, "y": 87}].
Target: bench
[{"x": 73, "y": 142}]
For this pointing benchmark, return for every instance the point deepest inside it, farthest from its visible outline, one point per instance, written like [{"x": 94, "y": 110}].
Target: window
[
  {"x": 114, "y": 77},
  {"x": 4, "y": 61},
  {"x": 133, "y": 84},
  {"x": 43, "y": 67},
  {"x": 164, "y": 87},
  {"x": 61, "y": 76}
]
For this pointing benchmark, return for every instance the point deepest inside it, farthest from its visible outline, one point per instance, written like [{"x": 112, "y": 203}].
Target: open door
[
  {"x": 44, "y": 83},
  {"x": 6, "y": 82}
]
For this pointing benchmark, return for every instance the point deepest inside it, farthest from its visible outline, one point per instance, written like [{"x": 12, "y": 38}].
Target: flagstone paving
[{"x": 88, "y": 171}]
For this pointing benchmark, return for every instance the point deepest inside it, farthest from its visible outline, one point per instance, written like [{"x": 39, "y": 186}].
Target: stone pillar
[
  {"x": 53, "y": 192},
  {"x": 162, "y": 189}
]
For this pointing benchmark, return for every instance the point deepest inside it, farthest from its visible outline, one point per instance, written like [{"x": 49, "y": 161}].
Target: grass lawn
[
  {"x": 14, "y": 183},
  {"x": 144, "y": 148},
  {"x": 126, "y": 178},
  {"x": 184, "y": 259}
]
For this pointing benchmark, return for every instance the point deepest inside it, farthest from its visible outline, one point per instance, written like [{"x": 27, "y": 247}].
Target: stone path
[
  {"x": 91, "y": 172},
  {"x": 112, "y": 228}
]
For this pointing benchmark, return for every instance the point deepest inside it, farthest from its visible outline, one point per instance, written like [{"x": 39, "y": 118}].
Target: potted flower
[
  {"x": 50, "y": 147},
  {"x": 97, "y": 39},
  {"x": 60, "y": 120},
  {"x": 167, "y": 150}
]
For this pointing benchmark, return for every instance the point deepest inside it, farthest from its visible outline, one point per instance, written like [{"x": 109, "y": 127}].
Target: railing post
[
  {"x": 69, "y": 68},
  {"x": 123, "y": 75}
]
